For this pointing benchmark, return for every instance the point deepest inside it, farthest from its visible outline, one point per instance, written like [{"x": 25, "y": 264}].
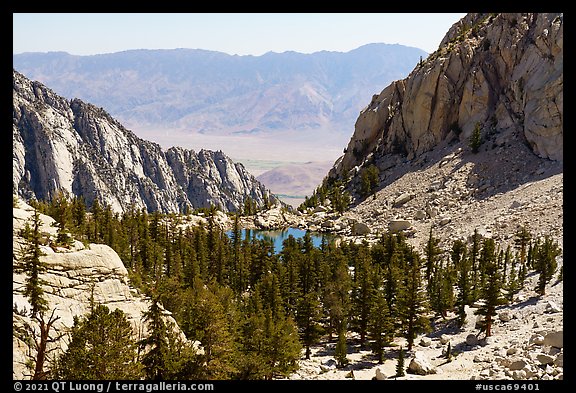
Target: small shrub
[{"x": 475, "y": 139}]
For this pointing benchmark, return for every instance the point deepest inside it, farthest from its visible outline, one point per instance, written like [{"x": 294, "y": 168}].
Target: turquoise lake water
[{"x": 279, "y": 236}]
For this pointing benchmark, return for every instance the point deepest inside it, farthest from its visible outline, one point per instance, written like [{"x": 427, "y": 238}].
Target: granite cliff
[
  {"x": 78, "y": 148},
  {"x": 502, "y": 73}
]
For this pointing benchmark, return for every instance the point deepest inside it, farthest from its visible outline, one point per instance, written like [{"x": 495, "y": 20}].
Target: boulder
[
  {"x": 402, "y": 199},
  {"x": 544, "y": 359},
  {"x": 555, "y": 339},
  {"x": 359, "y": 228},
  {"x": 420, "y": 215},
  {"x": 432, "y": 211},
  {"x": 517, "y": 364},
  {"x": 444, "y": 339},
  {"x": 425, "y": 341},
  {"x": 512, "y": 351},
  {"x": 552, "y": 307},
  {"x": 399, "y": 225},
  {"x": 435, "y": 186},
  {"x": 471, "y": 339},
  {"x": 559, "y": 361},
  {"x": 519, "y": 375},
  {"x": 444, "y": 220},
  {"x": 420, "y": 365},
  {"x": 537, "y": 339},
  {"x": 379, "y": 375},
  {"x": 328, "y": 365},
  {"x": 505, "y": 316}
]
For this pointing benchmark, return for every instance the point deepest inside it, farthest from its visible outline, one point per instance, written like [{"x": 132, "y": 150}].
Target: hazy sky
[{"x": 233, "y": 33}]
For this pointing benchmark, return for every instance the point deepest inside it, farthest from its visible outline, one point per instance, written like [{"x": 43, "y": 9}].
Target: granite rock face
[
  {"x": 77, "y": 148},
  {"x": 502, "y": 73},
  {"x": 73, "y": 275}
]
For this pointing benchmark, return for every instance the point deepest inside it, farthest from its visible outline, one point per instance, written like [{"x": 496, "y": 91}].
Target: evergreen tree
[
  {"x": 463, "y": 283},
  {"x": 491, "y": 292},
  {"x": 341, "y": 350},
  {"x": 514, "y": 282},
  {"x": 487, "y": 256},
  {"x": 381, "y": 326},
  {"x": 412, "y": 302},
  {"x": 431, "y": 252},
  {"x": 449, "y": 351},
  {"x": 269, "y": 338},
  {"x": 336, "y": 293},
  {"x": 475, "y": 140},
  {"x": 474, "y": 254},
  {"x": 78, "y": 215},
  {"x": 239, "y": 281},
  {"x": 290, "y": 257},
  {"x": 369, "y": 180},
  {"x": 33, "y": 267},
  {"x": 206, "y": 320},
  {"x": 101, "y": 348},
  {"x": 156, "y": 344},
  {"x": 308, "y": 318},
  {"x": 362, "y": 291},
  {"x": 441, "y": 288},
  {"x": 522, "y": 239},
  {"x": 545, "y": 262},
  {"x": 400, "y": 363}
]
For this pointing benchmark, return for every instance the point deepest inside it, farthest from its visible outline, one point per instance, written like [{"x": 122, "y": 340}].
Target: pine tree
[
  {"x": 238, "y": 281},
  {"x": 369, "y": 180},
  {"x": 545, "y": 262},
  {"x": 522, "y": 239},
  {"x": 206, "y": 320},
  {"x": 33, "y": 267},
  {"x": 101, "y": 348},
  {"x": 475, "y": 140},
  {"x": 449, "y": 351},
  {"x": 431, "y": 252},
  {"x": 156, "y": 344},
  {"x": 400, "y": 363},
  {"x": 341, "y": 350},
  {"x": 336, "y": 291},
  {"x": 491, "y": 292},
  {"x": 381, "y": 326},
  {"x": 412, "y": 303},
  {"x": 269, "y": 338},
  {"x": 308, "y": 318},
  {"x": 362, "y": 291},
  {"x": 463, "y": 267},
  {"x": 290, "y": 257},
  {"x": 441, "y": 288},
  {"x": 474, "y": 253},
  {"x": 513, "y": 284}
]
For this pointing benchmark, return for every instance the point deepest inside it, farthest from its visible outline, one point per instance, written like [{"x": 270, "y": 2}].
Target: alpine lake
[{"x": 277, "y": 237}]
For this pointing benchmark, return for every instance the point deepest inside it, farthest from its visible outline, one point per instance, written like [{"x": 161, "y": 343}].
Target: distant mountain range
[{"x": 213, "y": 93}]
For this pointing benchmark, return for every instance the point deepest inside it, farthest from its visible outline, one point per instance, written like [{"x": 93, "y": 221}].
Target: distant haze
[
  {"x": 232, "y": 33},
  {"x": 279, "y": 106}
]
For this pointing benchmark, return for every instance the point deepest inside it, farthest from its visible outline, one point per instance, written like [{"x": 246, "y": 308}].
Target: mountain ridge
[
  {"x": 499, "y": 74},
  {"x": 190, "y": 88},
  {"x": 78, "y": 148}
]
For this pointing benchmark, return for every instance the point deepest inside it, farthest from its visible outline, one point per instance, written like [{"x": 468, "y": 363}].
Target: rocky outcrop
[
  {"x": 502, "y": 73},
  {"x": 72, "y": 277},
  {"x": 77, "y": 148}
]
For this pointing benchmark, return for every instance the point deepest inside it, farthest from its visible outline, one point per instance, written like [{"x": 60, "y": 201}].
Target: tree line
[{"x": 255, "y": 313}]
